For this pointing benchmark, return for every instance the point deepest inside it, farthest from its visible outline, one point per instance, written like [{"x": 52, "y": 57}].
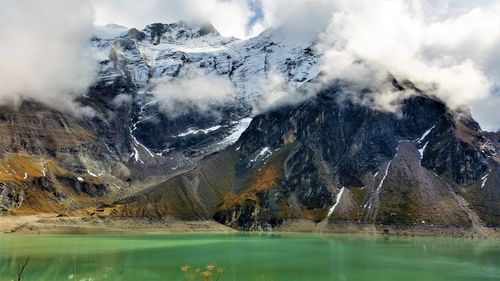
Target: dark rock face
[
  {"x": 44, "y": 183},
  {"x": 107, "y": 143},
  {"x": 327, "y": 159},
  {"x": 10, "y": 197},
  {"x": 454, "y": 149},
  {"x": 39, "y": 144},
  {"x": 485, "y": 200},
  {"x": 338, "y": 144},
  {"x": 334, "y": 161},
  {"x": 352, "y": 139},
  {"x": 175, "y": 31},
  {"x": 136, "y": 34},
  {"x": 249, "y": 216},
  {"x": 166, "y": 133},
  {"x": 80, "y": 186}
]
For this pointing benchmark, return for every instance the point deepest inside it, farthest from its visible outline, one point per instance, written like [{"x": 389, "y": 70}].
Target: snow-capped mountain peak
[{"x": 162, "y": 52}]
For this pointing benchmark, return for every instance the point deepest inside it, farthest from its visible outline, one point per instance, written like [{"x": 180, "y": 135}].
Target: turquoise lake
[{"x": 248, "y": 256}]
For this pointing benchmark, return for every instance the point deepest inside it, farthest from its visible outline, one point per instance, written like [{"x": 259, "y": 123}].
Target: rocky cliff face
[
  {"x": 169, "y": 51},
  {"x": 328, "y": 160},
  {"x": 331, "y": 160},
  {"x": 52, "y": 156},
  {"x": 347, "y": 162},
  {"x": 130, "y": 142}
]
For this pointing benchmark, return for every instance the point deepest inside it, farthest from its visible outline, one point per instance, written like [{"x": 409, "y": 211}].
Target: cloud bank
[
  {"x": 450, "y": 49},
  {"x": 43, "y": 55},
  {"x": 229, "y": 17},
  {"x": 450, "y": 58},
  {"x": 193, "y": 90}
]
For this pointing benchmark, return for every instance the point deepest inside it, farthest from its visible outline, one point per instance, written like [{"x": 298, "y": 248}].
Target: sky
[
  {"x": 238, "y": 18},
  {"x": 450, "y": 47}
]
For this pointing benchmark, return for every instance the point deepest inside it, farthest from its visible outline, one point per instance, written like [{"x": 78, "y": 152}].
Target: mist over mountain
[
  {"x": 367, "y": 117},
  {"x": 448, "y": 49}
]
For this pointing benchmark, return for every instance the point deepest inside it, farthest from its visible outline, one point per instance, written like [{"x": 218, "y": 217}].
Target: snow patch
[
  {"x": 195, "y": 132},
  {"x": 147, "y": 149},
  {"x": 385, "y": 175},
  {"x": 153, "y": 52},
  {"x": 484, "y": 179},
  {"x": 265, "y": 152},
  {"x": 339, "y": 195},
  {"x": 236, "y": 132},
  {"x": 426, "y": 133},
  {"x": 422, "y": 150},
  {"x": 79, "y": 178},
  {"x": 136, "y": 156}
]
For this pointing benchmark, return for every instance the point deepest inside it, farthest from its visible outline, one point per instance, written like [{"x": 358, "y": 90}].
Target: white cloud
[
  {"x": 43, "y": 55},
  {"x": 276, "y": 91},
  {"x": 229, "y": 17},
  {"x": 447, "y": 57},
  {"x": 449, "y": 47},
  {"x": 193, "y": 90},
  {"x": 298, "y": 19},
  {"x": 122, "y": 100}
]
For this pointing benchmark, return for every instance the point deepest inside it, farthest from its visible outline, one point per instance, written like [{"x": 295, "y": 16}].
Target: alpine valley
[{"x": 326, "y": 163}]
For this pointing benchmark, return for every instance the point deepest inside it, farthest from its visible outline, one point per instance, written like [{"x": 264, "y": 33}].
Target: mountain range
[{"x": 323, "y": 161}]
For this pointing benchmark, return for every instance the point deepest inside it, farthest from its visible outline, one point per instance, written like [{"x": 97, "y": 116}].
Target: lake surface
[{"x": 248, "y": 257}]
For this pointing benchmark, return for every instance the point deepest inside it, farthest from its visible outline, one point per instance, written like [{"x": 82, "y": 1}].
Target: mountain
[
  {"x": 165, "y": 51},
  {"x": 327, "y": 160},
  {"x": 130, "y": 142}
]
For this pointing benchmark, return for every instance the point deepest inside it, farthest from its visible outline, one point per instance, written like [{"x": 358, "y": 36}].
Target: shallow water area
[{"x": 248, "y": 256}]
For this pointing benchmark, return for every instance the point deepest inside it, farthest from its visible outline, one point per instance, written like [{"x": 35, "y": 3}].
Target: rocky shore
[
  {"x": 50, "y": 224},
  {"x": 53, "y": 224}
]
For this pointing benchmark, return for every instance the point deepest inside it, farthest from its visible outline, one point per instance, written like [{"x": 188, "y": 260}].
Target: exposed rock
[
  {"x": 374, "y": 156},
  {"x": 327, "y": 160}
]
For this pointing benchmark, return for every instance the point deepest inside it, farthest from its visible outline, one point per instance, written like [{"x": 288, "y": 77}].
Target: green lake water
[{"x": 277, "y": 257}]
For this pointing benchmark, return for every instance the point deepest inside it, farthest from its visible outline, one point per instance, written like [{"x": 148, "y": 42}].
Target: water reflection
[{"x": 248, "y": 256}]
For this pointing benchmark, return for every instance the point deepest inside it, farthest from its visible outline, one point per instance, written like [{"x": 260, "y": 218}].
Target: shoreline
[
  {"x": 50, "y": 224},
  {"x": 407, "y": 230},
  {"x": 53, "y": 224}
]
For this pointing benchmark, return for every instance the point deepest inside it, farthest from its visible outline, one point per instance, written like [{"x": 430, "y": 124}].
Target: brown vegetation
[
  {"x": 210, "y": 273},
  {"x": 315, "y": 215},
  {"x": 265, "y": 179}
]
